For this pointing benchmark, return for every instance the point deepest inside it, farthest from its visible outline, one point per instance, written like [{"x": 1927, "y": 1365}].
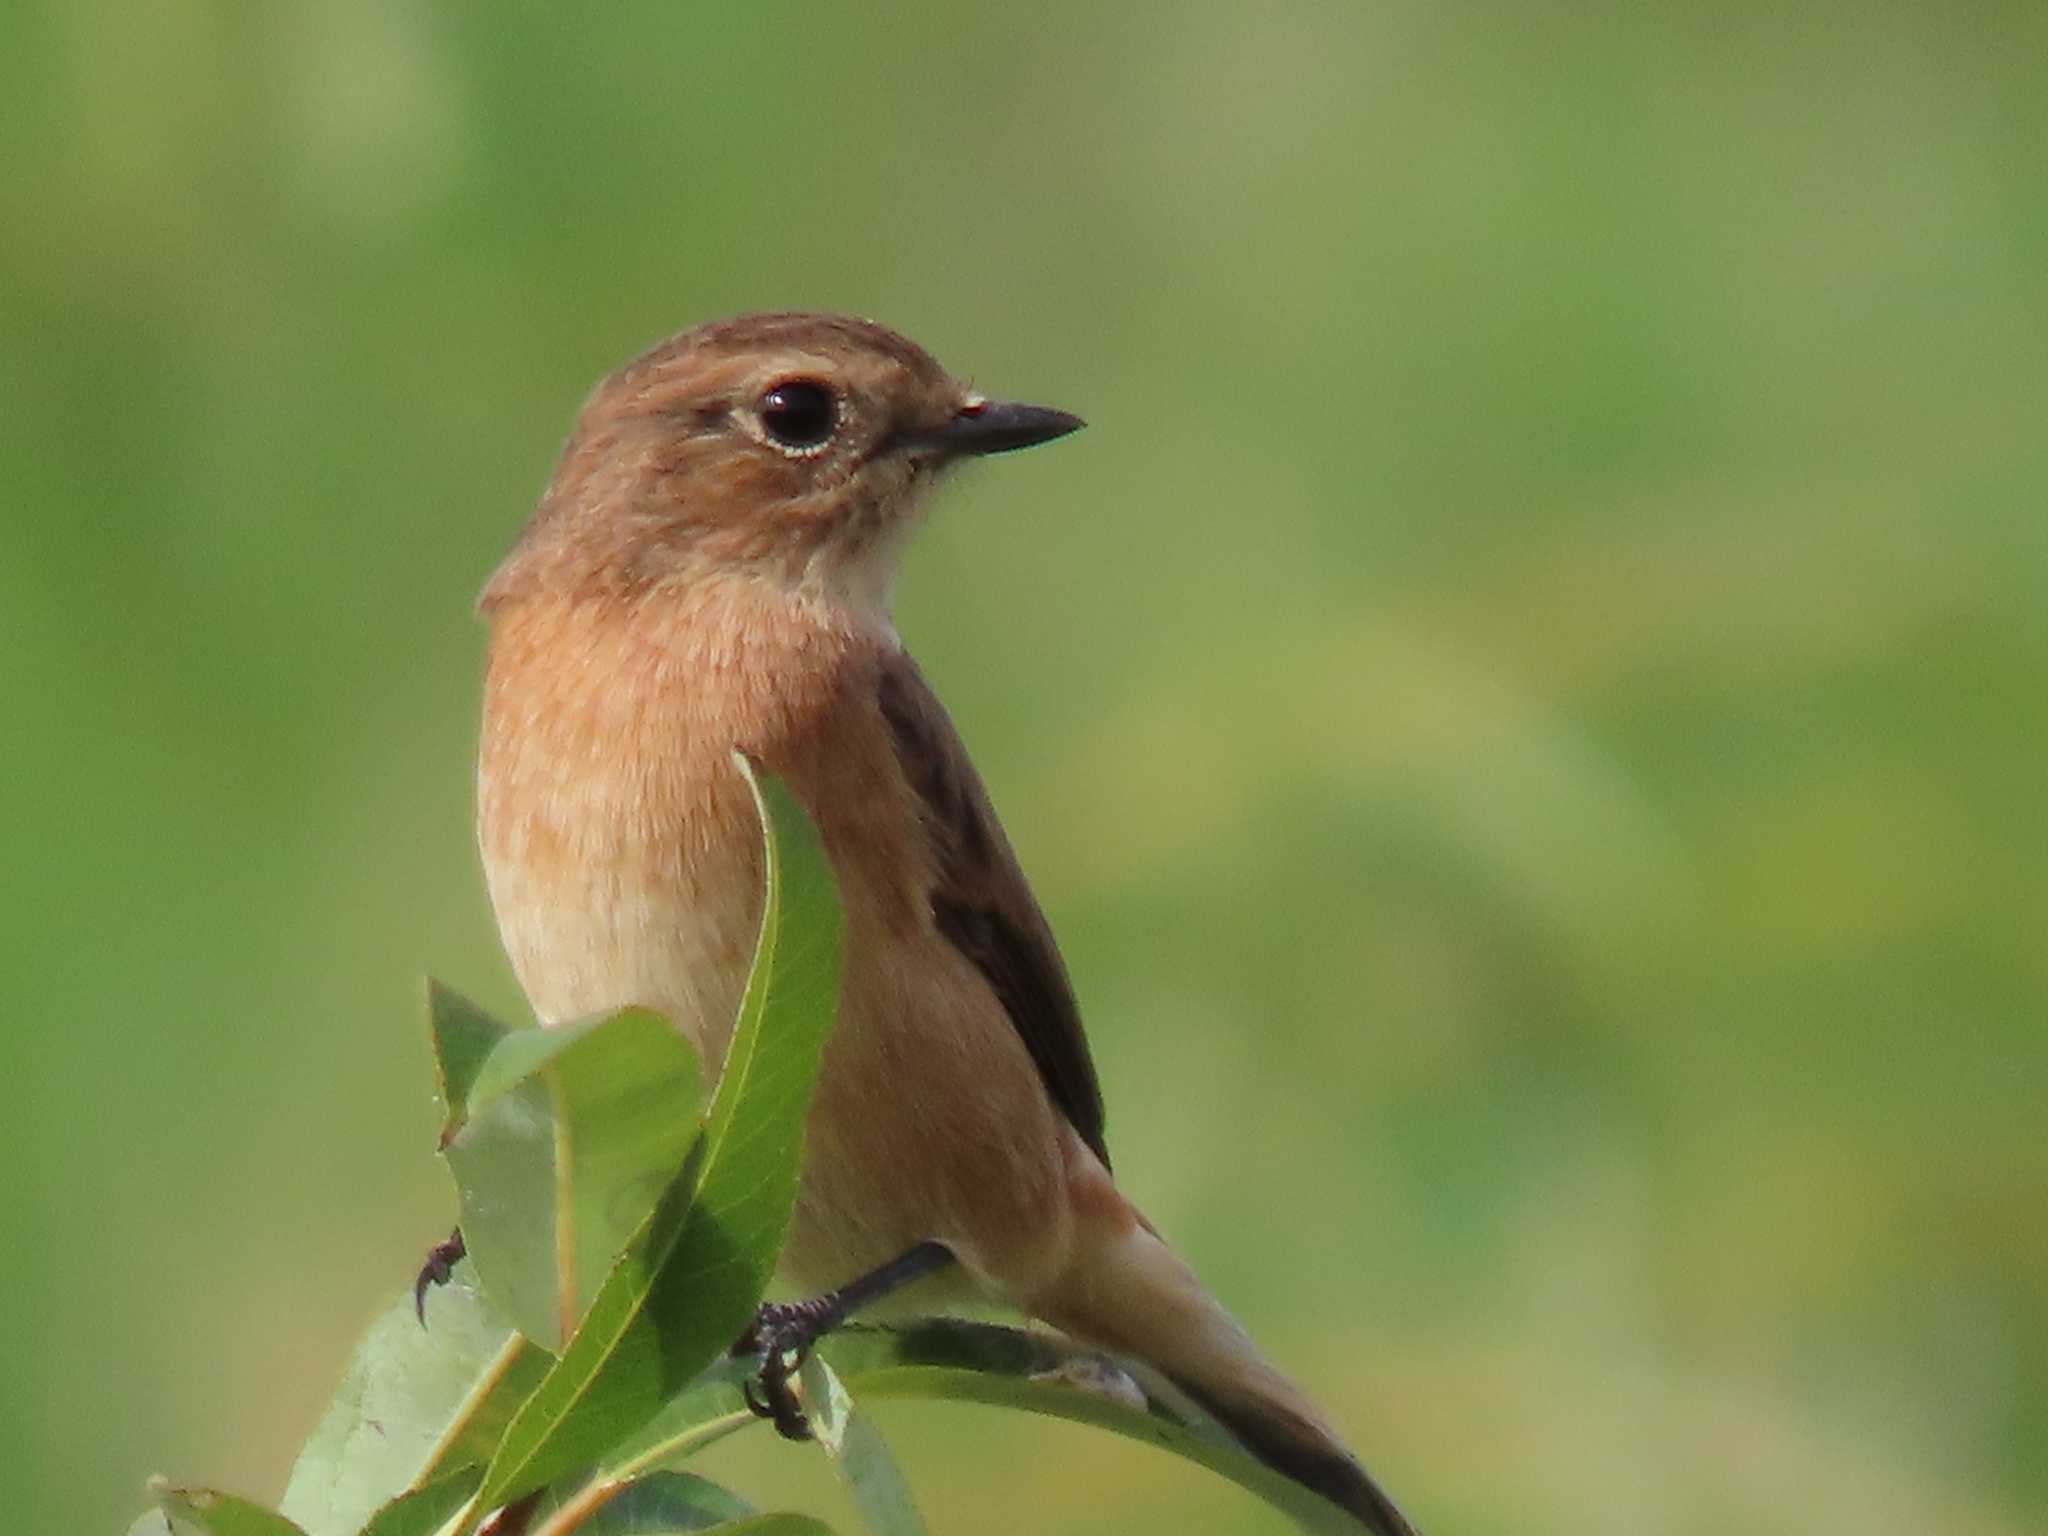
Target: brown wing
[{"x": 981, "y": 903}]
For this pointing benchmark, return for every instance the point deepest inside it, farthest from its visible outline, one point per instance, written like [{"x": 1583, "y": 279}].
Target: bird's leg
[
  {"x": 441, "y": 1261},
  {"x": 783, "y": 1332}
]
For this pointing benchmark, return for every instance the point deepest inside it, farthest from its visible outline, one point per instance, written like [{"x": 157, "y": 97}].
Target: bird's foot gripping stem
[{"x": 783, "y": 1333}]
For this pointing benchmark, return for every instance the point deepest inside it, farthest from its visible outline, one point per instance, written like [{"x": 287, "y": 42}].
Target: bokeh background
[{"x": 1525, "y": 707}]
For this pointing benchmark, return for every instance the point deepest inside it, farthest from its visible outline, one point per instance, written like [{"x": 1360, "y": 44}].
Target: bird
[{"x": 712, "y": 569}]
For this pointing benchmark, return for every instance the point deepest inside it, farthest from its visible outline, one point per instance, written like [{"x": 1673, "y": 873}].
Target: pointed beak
[{"x": 997, "y": 426}]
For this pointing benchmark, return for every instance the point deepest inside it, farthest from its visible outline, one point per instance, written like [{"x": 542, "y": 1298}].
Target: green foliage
[
  {"x": 207, "y": 1512},
  {"x": 561, "y": 1145},
  {"x": 591, "y": 1145},
  {"x": 414, "y": 1405},
  {"x": 426, "y": 1509},
  {"x": 859, "y": 1454},
  {"x": 968, "y": 1362},
  {"x": 690, "y": 1279}
]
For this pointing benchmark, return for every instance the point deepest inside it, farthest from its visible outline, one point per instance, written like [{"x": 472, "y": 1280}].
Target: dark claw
[
  {"x": 783, "y": 1408},
  {"x": 441, "y": 1261},
  {"x": 770, "y": 1396},
  {"x": 782, "y": 1334}
]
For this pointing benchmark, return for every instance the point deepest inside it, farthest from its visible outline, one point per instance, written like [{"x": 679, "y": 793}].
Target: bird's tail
[{"x": 1133, "y": 1294}]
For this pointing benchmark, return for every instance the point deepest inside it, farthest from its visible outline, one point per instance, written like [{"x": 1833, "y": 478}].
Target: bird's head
[{"x": 791, "y": 447}]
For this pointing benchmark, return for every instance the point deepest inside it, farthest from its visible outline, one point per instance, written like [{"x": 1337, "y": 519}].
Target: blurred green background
[{"x": 1525, "y": 706}]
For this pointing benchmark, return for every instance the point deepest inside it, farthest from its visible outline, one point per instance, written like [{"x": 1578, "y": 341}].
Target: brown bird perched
[{"x": 711, "y": 568}]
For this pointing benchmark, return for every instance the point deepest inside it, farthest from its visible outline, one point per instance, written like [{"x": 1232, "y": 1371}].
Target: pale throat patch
[{"x": 864, "y": 582}]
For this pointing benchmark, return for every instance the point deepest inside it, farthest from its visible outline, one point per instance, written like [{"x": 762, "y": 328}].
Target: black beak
[{"x": 997, "y": 426}]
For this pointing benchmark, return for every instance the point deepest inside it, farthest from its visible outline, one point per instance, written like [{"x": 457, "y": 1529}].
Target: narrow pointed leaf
[
  {"x": 756, "y": 1122},
  {"x": 415, "y": 1405},
  {"x": 859, "y": 1454},
  {"x": 689, "y": 1283},
  {"x": 463, "y": 1036},
  {"x": 707, "y": 1294}
]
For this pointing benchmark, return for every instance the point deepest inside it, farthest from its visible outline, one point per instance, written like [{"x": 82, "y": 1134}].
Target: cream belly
[{"x": 624, "y": 918}]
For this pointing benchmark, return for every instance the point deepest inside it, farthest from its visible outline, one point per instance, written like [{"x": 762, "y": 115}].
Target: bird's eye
[{"x": 799, "y": 414}]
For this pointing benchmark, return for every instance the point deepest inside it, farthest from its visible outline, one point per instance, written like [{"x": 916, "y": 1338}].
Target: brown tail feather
[
  {"x": 1305, "y": 1454},
  {"x": 1134, "y": 1294}
]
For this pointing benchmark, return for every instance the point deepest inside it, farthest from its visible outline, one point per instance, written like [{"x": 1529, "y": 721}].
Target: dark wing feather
[{"x": 981, "y": 903}]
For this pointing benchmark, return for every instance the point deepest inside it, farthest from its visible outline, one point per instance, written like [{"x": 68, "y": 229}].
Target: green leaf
[
  {"x": 208, "y": 1512},
  {"x": 654, "y": 1505},
  {"x": 756, "y": 1123},
  {"x": 690, "y": 1280},
  {"x": 675, "y": 1504},
  {"x": 703, "y": 1413},
  {"x": 415, "y": 1404},
  {"x": 664, "y": 1502},
  {"x": 565, "y": 1140},
  {"x": 425, "y": 1510},
  {"x": 968, "y": 1362},
  {"x": 463, "y": 1036},
  {"x": 609, "y": 1380},
  {"x": 859, "y": 1454}
]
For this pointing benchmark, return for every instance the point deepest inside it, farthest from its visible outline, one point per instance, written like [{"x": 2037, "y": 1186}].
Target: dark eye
[{"x": 799, "y": 413}]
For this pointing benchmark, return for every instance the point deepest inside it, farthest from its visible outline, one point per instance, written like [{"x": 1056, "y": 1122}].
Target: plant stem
[{"x": 600, "y": 1490}]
